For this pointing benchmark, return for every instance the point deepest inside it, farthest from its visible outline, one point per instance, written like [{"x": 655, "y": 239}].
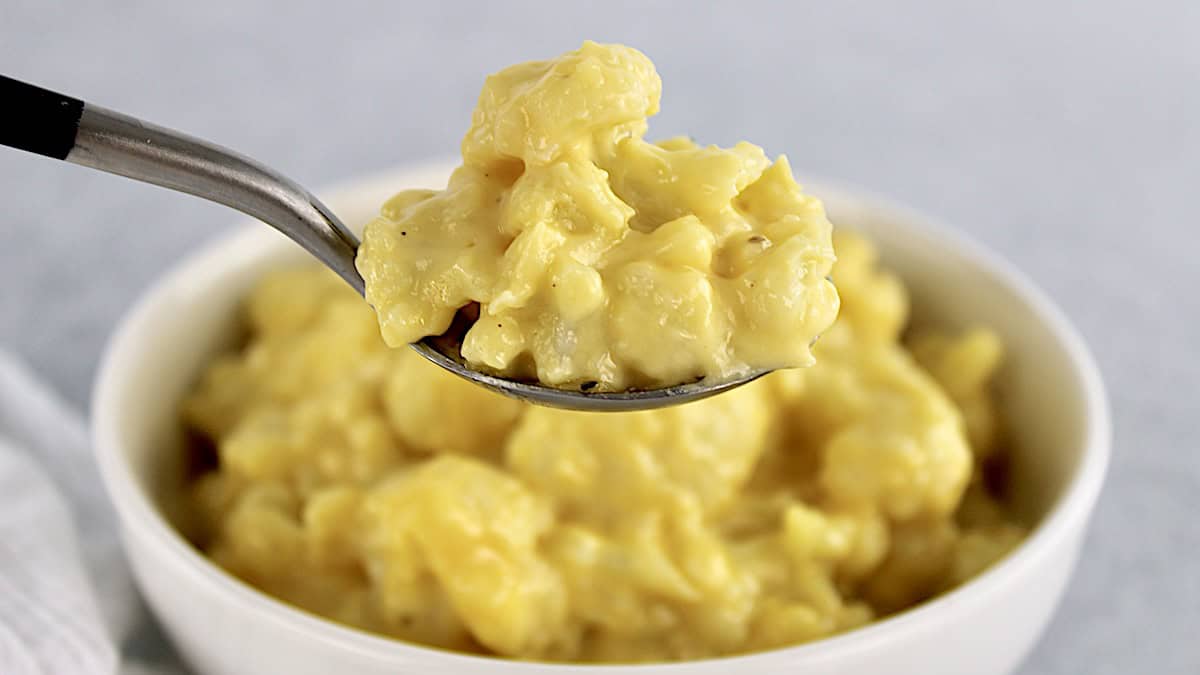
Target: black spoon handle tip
[{"x": 37, "y": 120}]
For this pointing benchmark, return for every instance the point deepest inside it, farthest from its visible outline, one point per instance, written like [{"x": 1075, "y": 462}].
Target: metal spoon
[{"x": 62, "y": 127}]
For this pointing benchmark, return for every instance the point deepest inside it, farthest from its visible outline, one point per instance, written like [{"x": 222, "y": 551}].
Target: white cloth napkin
[{"x": 67, "y": 601}]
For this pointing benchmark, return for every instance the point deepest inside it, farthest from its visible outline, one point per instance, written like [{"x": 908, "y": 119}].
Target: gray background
[{"x": 1064, "y": 135}]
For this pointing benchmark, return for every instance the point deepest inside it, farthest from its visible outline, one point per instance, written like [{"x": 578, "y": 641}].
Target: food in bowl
[
  {"x": 597, "y": 259},
  {"x": 368, "y": 486}
]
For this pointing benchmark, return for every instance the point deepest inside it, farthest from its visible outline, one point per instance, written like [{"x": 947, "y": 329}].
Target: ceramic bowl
[{"x": 1049, "y": 387}]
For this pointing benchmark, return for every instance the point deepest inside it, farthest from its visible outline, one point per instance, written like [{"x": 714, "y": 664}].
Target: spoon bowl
[
  {"x": 446, "y": 351},
  {"x": 582, "y": 399}
]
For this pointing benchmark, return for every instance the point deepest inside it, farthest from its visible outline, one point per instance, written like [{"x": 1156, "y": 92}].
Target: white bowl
[{"x": 1049, "y": 385}]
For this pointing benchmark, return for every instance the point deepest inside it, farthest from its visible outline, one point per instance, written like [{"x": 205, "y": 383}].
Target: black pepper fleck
[{"x": 589, "y": 385}]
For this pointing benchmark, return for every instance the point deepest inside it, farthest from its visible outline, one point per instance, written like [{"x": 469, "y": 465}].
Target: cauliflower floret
[
  {"x": 477, "y": 530},
  {"x": 598, "y": 464}
]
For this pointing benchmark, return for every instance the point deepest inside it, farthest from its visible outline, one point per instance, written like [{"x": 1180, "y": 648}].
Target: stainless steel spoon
[{"x": 62, "y": 127}]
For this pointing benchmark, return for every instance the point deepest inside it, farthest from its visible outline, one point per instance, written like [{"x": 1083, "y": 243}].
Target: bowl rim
[{"x": 139, "y": 517}]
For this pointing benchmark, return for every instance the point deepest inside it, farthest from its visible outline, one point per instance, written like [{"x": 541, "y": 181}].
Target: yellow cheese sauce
[
  {"x": 366, "y": 485},
  {"x": 598, "y": 257}
]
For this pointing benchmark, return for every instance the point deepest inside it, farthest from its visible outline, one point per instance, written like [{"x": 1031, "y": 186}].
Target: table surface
[{"x": 1063, "y": 135}]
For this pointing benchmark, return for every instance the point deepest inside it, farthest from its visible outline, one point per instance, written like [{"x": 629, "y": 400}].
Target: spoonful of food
[{"x": 66, "y": 128}]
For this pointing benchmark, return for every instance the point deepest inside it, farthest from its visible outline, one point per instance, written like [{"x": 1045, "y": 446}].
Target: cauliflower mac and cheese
[
  {"x": 597, "y": 257},
  {"x": 363, "y": 484}
]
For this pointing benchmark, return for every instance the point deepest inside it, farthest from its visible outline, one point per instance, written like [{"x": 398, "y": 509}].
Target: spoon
[{"x": 66, "y": 128}]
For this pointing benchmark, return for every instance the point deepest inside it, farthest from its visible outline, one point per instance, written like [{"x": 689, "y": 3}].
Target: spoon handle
[
  {"x": 38, "y": 120},
  {"x": 51, "y": 124}
]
